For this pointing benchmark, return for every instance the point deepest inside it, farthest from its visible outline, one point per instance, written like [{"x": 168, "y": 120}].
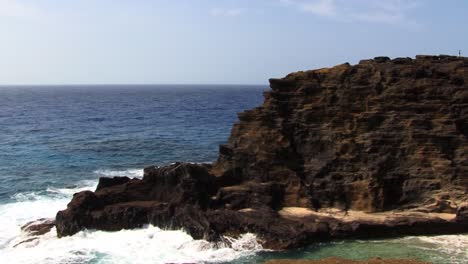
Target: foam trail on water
[
  {"x": 31, "y": 206},
  {"x": 132, "y": 173},
  {"x": 455, "y": 247}
]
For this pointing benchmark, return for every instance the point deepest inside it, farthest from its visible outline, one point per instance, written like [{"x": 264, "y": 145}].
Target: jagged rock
[
  {"x": 39, "y": 227},
  {"x": 181, "y": 190},
  {"x": 375, "y": 149},
  {"x": 381, "y": 135},
  {"x": 105, "y": 182}
]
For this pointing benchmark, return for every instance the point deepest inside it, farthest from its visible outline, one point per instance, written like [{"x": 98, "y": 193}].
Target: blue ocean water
[
  {"x": 58, "y": 140},
  {"x": 56, "y": 136}
]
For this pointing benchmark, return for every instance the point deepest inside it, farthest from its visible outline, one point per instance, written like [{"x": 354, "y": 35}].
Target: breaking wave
[
  {"x": 146, "y": 245},
  {"x": 132, "y": 173}
]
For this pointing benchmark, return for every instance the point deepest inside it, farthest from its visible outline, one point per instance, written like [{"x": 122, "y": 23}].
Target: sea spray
[
  {"x": 146, "y": 245},
  {"x": 132, "y": 173}
]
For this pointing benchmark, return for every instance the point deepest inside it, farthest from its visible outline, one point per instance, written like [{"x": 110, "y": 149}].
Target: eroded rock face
[
  {"x": 384, "y": 142},
  {"x": 380, "y": 135}
]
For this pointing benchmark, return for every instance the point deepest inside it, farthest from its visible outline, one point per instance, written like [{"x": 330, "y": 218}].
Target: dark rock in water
[
  {"x": 180, "y": 191},
  {"x": 375, "y": 149},
  {"x": 29, "y": 240},
  {"x": 39, "y": 227},
  {"x": 36, "y": 228},
  {"x": 105, "y": 182}
]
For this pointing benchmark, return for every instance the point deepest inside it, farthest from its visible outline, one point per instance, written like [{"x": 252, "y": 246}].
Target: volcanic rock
[
  {"x": 371, "y": 150},
  {"x": 105, "y": 182}
]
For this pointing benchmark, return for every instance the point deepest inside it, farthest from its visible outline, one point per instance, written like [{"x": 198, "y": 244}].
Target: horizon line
[{"x": 134, "y": 84}]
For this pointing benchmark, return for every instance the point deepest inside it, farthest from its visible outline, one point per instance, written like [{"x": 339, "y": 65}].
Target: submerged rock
[
  {"x": 370, "y": 150},
  {"x": 36, "y": 228},
  {"x": 39, "y": 227}
]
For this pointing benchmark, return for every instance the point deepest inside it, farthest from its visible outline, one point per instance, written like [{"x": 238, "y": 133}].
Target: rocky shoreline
[{"x": 377, "y": 149}]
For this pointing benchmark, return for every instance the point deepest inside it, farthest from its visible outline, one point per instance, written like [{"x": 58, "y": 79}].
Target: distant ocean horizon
[
  {"x": 56, "y": 140},
  {"x": 133, "y": 85}
]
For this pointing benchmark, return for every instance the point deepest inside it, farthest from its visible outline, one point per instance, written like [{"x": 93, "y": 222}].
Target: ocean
[{"x": 58, "y": 140}]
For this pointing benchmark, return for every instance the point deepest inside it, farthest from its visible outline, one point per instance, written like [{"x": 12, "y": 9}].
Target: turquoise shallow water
[
  {"x": 57, "y": 140},
  {"x": 435, "y": 249}
]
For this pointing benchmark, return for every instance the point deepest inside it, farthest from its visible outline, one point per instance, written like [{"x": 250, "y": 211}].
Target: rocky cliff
[
  {"x": 375, "y": 149},
  {"x": 376, "y": 136}
]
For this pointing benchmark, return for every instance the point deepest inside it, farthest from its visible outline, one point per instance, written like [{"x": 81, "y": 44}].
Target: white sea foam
[
  {"x": 146, "y": 245},
  {"x": 442, "y": 249},
  {"x": 31, "y": 206},
  {"x": 455, "y": 247},
  {"x": 132, "y": 173}
]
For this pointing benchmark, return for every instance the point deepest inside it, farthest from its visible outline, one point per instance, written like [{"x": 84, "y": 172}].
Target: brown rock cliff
[
  {"x": 380, "y": 135},
  {"x": 370, "y": 150}
]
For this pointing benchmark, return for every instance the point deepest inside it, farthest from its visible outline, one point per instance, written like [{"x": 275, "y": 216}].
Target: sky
[{"x": 214, "y": 41}]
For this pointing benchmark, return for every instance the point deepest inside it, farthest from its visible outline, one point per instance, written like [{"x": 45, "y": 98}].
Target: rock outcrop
[
  {"x": 39, "y": 227},
  {"x": 375, "y": 149}
]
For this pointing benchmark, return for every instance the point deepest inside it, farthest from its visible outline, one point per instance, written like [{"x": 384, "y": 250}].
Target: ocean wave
[
  {"x": 146, "y": 245},
  {"x": 455, "y": 247},
  {"x": 68, "y": 192},
  {"x": 132, "y": 173},
  {"x": 55, "y": 193}
]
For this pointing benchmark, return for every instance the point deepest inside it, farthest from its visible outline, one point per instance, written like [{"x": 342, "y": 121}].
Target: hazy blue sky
[{"x": 217, "y": 41}]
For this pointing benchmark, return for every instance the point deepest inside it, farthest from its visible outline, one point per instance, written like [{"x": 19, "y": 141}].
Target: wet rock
[
  {"x": 26, "y": 241},
  {"x": 39, "y": 227}
]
